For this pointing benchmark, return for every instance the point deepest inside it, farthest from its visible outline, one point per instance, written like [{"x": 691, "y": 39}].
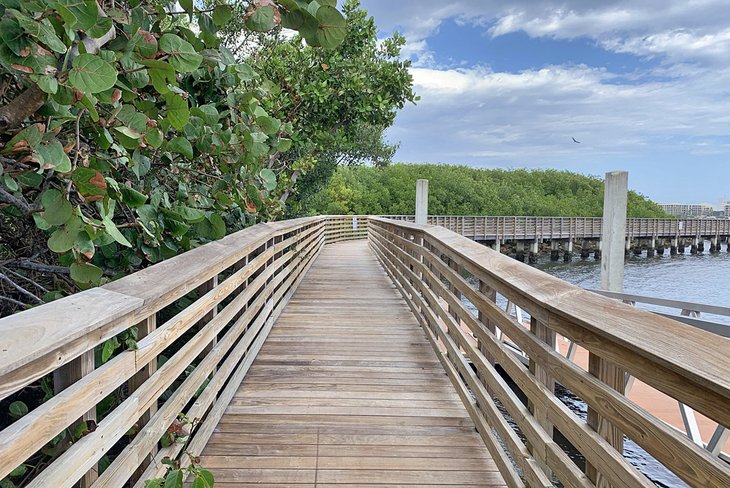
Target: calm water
[{"x": 701, "y": 278}]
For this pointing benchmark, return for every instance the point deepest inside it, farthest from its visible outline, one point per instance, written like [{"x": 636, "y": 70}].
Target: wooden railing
[
  {"x": 481, "y": 227},
  {"x": 439, "y": 273},
  {"x": 346, "y": 227},
  {"x": 200, "y": 317}
]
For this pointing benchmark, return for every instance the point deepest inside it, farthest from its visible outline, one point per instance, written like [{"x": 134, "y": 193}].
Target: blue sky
[{"x": 644, "y": 85}]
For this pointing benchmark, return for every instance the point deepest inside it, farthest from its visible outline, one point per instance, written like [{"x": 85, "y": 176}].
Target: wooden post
[
  {"x": 64, "y": 377},
  {"x": 202, "y": 290},
  {"x": 614, "y": 230},
  {"x": 144, "y": 328},
  {"x": 612, "y": 279},
  {"x": 547, "y": 335},
  {"x": 421, "y": 202}
]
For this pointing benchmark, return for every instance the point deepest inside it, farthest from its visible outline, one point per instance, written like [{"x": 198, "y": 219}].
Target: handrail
[
  {"x": 515, "y": 227},
  {"x": 216, "y": 304},
  {"x": 427, "y": 264}
]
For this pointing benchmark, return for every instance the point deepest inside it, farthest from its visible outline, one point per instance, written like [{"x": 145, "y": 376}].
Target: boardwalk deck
[{"x": 347, "y": 391}]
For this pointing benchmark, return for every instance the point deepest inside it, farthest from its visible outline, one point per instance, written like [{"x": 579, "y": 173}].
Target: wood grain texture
[{"x": 346, "y": 390}]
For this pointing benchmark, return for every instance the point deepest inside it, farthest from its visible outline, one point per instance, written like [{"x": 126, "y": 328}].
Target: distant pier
[{"x": 568, "y": 237}]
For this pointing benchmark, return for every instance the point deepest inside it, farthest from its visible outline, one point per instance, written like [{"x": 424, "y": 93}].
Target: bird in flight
[{"x": 577, "y": 142}]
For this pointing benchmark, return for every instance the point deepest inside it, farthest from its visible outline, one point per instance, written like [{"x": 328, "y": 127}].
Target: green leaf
[
  {"x": 177, "y": 110},
  {"x": 191, "y": 215},
  {"x": 332, "y": 27},
  {"x": 86, "y": 273},
  {"x": 129, "y": 132},
  {"x": 261, "y": 19},
  {"x": 84, "y": 12},
  {"x": 112, "y": 230},
  {"x": 187, "y": 5},
  {"x": 207, "y": 113},
  {"x": 269, "y": 179},
  {"x": 218, "y": 226},
  {"x": 10, "y": 183},
  {"x": 108, "y": 350},
  {"x": 63, "y": 239},
  {"x": 153, "y": 137},
  {"x": 177, "y": 228},
  {"x": 18, "y": 409},
  {"x": 57, "y": 209},
  {"x": 181, "y": 146},
  {"x": 13, "y": 36},
  {"x": 174, "y": 479},
  {"x": 154, "y": 483},
  {"x": 222, "y": 14},
  {"x": 284, "y": 145},
  {"x": 19, "y": 471},
  {"x": 31, "y": 134},
  {"x": 91, "y": 74},
  {"x": 183, "y": 56},
  {"x": 204, "y": 480},
  {"x": 100, "y": 28},
  {"x": 89, "y": 183},
  {"x": 269, "y": 125},
  {"x": 43, "y": 31},
  {"x": 52, "y": 156},
  {"x": 49, "y": 84},
  {"x": 132, "y": 197},
  {"x": 141, "y": 164}
]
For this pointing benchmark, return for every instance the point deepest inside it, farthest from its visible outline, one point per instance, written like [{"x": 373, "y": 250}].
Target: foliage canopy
[
  {"x": 130, "y": 132},
  {"x": 461, "y": 190}
]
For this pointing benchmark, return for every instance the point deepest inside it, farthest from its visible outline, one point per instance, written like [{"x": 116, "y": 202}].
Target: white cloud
[{"x": 669, "y": 123}]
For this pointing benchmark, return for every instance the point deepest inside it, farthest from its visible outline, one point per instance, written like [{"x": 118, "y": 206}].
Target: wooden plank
[
  {"x": 61, "y": 331},
  {"x": 346, "y": 390}
]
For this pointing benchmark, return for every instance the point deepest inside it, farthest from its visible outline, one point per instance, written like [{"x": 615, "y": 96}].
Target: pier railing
[
  {"x": 487, "y": 228},
  {"x": 430, "y": 265},
  {"x": 178, "y": 338}
]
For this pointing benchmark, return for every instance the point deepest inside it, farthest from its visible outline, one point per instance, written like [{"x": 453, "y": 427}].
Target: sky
[{"x": 643, "y": 85}]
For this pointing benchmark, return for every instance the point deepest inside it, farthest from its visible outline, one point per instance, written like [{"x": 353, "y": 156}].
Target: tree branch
[
  {"x": 21, "y": 107},
  {"x": 19, "y": 203},
  {"x": 48, "y": 268},
  {"x": 20, "y": 289}
]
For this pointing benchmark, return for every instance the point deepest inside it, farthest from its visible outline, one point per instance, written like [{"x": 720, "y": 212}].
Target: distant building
[
  {"x": 689, "y": 209},
  {"x": 727, "y": 210}
]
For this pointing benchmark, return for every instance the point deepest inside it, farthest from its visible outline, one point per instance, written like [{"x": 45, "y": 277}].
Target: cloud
[
  {"x": 669, "y": 122},
  {"x": 677, "y": 29}
]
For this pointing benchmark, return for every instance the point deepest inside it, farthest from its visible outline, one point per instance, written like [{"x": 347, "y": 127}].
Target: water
[{"x": 701, "y": 278}]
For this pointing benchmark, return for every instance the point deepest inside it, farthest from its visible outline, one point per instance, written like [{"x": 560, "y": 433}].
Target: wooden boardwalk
[{"x": 346, "y": 392}]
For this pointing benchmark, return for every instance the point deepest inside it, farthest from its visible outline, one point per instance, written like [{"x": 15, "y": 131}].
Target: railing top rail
[{"x": 698, "y": 356}]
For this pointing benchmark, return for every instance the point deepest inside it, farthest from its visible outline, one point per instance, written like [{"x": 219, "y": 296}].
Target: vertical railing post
[
  {"x": 489, "y": 294},
  {"x": 542, "y": 374},
  {"x": 421, "y": 202},
  {"x": 64, "y": 377},
  {"x": 145, "y": 328},
  {"x": 202, "y": 290},
  {"x": 612, "y": 277}
]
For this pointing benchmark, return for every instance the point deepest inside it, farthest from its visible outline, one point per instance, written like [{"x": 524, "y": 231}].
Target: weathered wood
[
  {"x": 65, "y": 376},
  {"x": 144, "y": 329},
  {"x": 337, "y": 396},
  {"x": 125, "y": 308},
  {"x": 562, "y": 309}
]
